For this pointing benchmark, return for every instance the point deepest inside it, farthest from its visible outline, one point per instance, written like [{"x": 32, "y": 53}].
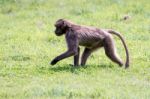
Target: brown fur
[{"x": 91, "y": 38}]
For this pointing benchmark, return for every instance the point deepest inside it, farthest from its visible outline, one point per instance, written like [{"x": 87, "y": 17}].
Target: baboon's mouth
[{"x": 57, "y": 34}]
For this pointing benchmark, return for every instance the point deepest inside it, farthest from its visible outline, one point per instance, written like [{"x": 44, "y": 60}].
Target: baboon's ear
[{"x": 67, "y": 24}]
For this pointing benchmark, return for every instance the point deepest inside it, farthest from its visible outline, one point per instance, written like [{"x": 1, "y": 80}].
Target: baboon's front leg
[
  {"x": 76, "y": 58},
  {"x": 62, "y": 56},
  {"x": 72, "y": 43}
]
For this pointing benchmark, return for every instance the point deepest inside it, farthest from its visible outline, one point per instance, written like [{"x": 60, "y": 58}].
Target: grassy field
[{"x": 28, "y": 44}]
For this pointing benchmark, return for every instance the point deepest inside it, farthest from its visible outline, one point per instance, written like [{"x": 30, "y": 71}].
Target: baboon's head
[{"x": 62, "y": 26}]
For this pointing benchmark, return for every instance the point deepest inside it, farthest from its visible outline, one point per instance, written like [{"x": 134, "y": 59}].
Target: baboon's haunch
[{"x": 91, "y": 38}]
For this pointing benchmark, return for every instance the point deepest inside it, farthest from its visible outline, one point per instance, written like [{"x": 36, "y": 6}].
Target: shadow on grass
[
  {"x": 66, "y": 68},
  {"x": 73, "y": 69},
  {"x": 105, "y": 66}
]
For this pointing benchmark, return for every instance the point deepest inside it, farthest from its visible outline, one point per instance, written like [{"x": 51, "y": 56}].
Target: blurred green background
[{"x": 28, "y": 44}]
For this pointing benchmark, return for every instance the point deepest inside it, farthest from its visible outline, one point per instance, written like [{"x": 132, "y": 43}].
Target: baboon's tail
[{"x": 124, "y": 44}]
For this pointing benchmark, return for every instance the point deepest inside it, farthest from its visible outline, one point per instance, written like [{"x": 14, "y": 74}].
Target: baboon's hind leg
[
  {"x": 110, "y": 50},
  {"x": 87, "y": 52}
]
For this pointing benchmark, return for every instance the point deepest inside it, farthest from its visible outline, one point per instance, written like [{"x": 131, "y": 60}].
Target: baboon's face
[{"x": 60, "y": 27}]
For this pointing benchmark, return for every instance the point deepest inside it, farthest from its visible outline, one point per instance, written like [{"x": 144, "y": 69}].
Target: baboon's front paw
[
  {"x": 74, "y": 65},
  {"x": 53, "y": 62}
]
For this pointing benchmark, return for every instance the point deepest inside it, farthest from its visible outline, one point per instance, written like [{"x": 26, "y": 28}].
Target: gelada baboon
[{"x": 91, "y": 38}]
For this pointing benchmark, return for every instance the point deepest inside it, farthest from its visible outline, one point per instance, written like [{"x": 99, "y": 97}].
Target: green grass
[{"x": 28, "y": 44}]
